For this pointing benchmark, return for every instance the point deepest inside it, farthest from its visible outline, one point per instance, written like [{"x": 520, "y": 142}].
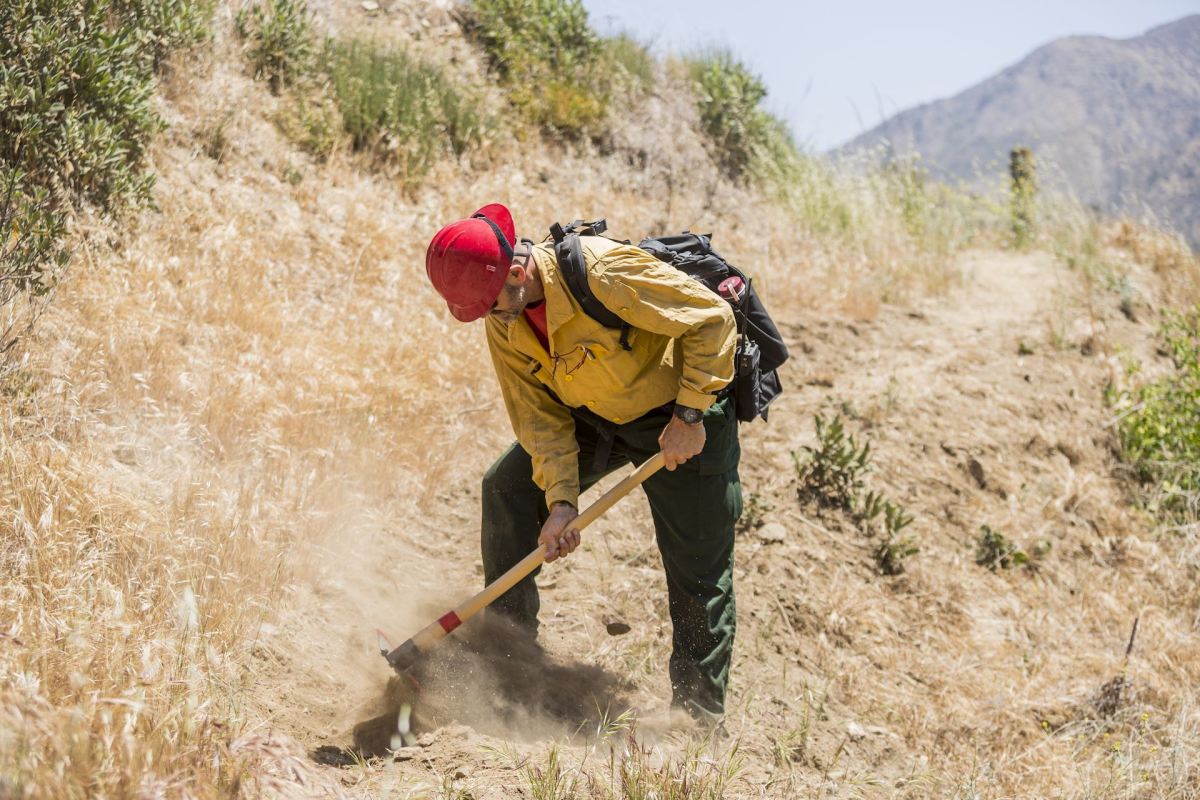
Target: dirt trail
[{"x": 983, "y": 408}]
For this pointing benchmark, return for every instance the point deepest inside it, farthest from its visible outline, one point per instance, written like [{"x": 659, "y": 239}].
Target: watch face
[{"x": 689, "y": 415}]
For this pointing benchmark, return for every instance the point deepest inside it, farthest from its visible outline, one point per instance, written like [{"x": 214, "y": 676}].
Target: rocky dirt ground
[{"x": 984, "y": 407}]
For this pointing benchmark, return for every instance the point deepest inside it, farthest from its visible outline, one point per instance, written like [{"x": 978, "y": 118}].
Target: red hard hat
[{"x": 468, "y": 260}]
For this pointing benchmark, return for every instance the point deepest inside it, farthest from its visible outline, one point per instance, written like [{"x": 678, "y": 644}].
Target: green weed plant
[
  {"x": 833, "y": 473},
  {"x": 404, "y": 112},
  {"x": 876, "y": 513},
  {"x": 996, "y": 552},
  {"x": 1159, "y": 431}
]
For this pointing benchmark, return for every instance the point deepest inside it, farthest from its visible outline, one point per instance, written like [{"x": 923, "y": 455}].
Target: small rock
[
  {"x": 370, "y": 5},
  {"x": 426, "y": 739},
  {"x": 405, "y": 753},
  {"x": 771, "y": 533},
  {"x": 855, "y": 731},
  {"x": 461, "y": 773},
  {"x": 616, "y": 627}
]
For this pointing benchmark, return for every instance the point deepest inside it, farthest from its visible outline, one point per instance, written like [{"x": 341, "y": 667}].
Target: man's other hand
[
  {"x": 558, "y": 538},
  {"x": 680, "y": 441}
]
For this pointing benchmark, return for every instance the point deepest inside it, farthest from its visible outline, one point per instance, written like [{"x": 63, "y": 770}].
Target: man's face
[
  {"x": 515, "y": 295},
  {"x": 511, "y": 302}
]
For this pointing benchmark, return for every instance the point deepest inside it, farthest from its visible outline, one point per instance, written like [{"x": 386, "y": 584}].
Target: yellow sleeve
[
  {"x": 543, "y": 426},
  {"x": 656, "y": 297}
]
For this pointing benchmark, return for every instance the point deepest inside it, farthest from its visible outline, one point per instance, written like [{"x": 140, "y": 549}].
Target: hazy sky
[{"x": 835, "y": 69}]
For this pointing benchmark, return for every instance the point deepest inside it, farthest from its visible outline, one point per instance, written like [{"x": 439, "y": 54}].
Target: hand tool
[{"x": 403, "y": 657}]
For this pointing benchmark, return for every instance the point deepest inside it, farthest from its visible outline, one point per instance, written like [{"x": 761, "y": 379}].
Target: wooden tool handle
[{"x": 435, "y": 631}]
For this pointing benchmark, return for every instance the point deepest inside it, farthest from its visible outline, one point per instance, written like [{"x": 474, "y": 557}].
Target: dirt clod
[
  {"x": 771, "y": 533},
  {"x": 617, "y": 627},
  {"x": 976, "y": 471}
]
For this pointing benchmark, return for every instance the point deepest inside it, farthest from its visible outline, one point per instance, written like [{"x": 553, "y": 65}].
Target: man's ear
[{"x": 517, "y": 273}]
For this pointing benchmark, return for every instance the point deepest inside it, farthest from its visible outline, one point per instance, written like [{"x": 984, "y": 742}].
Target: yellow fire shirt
[{"x": 682, "y": 341}]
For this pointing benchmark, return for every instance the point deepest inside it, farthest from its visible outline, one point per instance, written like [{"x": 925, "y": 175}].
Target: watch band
[{"x": 692, "y": 416}]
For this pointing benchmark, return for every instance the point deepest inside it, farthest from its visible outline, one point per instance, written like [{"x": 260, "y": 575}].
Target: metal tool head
[{"x": 403, "y": 657}]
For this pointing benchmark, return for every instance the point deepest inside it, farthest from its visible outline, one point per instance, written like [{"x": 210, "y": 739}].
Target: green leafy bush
[
  {"x": 833, "y": 472},
  {"x": 874, "y": 513},
  {"x": 1160, "y": 430},
  {"x": 746, "y": 141},
  {"x": 76, "y": 91},
  {"x": 279, "y": 40},
  {"x": 76, "y": 81},
  {"x": 404, "y": 112},
  {"x": 160, "y": 26},
  {"x": 31, "y": 241},
  {"x": 548, "y": 59}
]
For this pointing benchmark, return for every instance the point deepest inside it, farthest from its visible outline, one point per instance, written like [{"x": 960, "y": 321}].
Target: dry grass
[{"x": 219, "y": 389}]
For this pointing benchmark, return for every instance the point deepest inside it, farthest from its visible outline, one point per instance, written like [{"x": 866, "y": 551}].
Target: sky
[{"x": 836, "y": 69}]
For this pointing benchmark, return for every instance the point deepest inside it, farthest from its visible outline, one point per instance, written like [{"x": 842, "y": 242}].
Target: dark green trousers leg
[
  {"x": 695, "y": 509},
  {"x": 514, "y": 510}
]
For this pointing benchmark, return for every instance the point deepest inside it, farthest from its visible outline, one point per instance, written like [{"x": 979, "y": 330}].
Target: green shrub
[
  {"x": 76, "y": 91},
  {"x": 406, "y": 113},
  {"x": 76, "y": 83},
  {"x": 1160, "y": 430},
  {"x": 548, "y": 59},
  {"x": 994, "y": 551},
  {"x": 161, "y": 26},
  {"x": 32, "y": 252},
  {"x": 279, "y": 40},
  {"x": 833, "y": 472},
  {"x": 746, "y": 141},
  {"x": 628, "y": 61}
]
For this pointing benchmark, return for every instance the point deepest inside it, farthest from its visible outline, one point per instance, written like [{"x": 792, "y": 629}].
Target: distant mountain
[{"x": 1118, "y": 120}]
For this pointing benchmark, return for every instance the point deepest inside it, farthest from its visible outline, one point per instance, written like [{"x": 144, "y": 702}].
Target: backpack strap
[{"x": 569, "y": 253}]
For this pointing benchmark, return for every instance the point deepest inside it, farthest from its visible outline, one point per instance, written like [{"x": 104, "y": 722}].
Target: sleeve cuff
[
  {"x": 694, "y": 399},
  {"x": 563, "y": 493}
]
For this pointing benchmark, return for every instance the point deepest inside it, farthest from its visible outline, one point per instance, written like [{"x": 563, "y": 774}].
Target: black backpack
[{"x": 760, "y": 347}]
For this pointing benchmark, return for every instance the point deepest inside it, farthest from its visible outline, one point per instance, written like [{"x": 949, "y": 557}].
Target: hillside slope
[
  {"x": 1115, "y": 120},
  {"x": 945, "y": 678},
  {"x": 246, "y": 433}
]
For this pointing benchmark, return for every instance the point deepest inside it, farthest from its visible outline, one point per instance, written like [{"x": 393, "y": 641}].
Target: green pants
[{"x": 694, "y": 510}]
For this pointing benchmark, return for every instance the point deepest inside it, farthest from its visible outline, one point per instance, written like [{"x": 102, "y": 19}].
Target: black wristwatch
[{"x": 692, "y": 416}]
